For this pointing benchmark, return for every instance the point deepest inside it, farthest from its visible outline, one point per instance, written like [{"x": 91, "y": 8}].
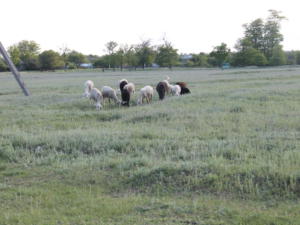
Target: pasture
[{"x": 228, "y": 153}]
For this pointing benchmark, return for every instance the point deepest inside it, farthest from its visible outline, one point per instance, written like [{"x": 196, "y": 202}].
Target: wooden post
[{"x": 14, "y": 70}]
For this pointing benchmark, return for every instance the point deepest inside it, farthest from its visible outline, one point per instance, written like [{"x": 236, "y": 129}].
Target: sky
[{"x": 192, "y": 26}]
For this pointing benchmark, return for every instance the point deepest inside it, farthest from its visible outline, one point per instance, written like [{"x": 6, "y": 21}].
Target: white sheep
[
  {"x": 130, "y": 88},
  {"x": 175, "y": 89},
  {"x": 110, "y": 93},
  {"x": 145, "y": 93},
  {"x": 88, "y": 85},
  {"x": 166, "y": 81},
  {"x": 97, "y": 97}
]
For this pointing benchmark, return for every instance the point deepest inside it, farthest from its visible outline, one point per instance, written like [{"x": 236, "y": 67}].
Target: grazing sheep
[
  {"x": 161, "y": 89},
  {"x": 88, "y": 85},
  {"x": 129, "y": 87},
  {"x": 122, "y": 83},
  {"x": 181, "y": 84},
  {"x": 125, "y": 94},
  {"x": 108, "y": 92},
  {"x": 175, "y": 90},
  {"x": 184, "y": 89},
  {"x": 168, "y": 87},
  {"x": 145, "y": 93},
  {"x": 97, "y": 97}
]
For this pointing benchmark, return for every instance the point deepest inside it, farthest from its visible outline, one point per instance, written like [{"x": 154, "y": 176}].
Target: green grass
[{"x": 226, "y": 154}]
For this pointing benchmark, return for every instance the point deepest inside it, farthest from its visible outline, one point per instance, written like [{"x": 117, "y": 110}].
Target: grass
[{"x": 226, "y": 154}]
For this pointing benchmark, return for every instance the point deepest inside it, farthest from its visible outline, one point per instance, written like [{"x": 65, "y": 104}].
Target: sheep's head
[
  {"x": 98, "y": 106},
  {"x": 86, "y": 95}
]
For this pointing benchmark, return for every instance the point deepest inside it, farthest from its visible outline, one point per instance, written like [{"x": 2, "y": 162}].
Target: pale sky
[{"x": 192, "y": 26}]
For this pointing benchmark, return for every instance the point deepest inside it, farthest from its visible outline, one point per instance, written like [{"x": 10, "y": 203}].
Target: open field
[{"x": 227, "y": 154}]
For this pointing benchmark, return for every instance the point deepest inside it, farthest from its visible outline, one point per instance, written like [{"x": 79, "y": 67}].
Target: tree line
[{"x": 260, "y": 46}]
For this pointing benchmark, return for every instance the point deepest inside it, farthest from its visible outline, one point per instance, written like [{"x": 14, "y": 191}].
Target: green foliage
[
  {"x": 298, "y": 57},
  {"x": 102, "y": 62},
  {"x": 220, "y": 54},
  {"x": 249, "y": 57},
  {"x": 272, "y": 35},
  {"x": 200, "y": 60},
  {"x": 50, "y": 60},
  {"x": 25, "y": 54},
  {"x": 264, "y": 37},
  {"x": 14, "y": 54},
  {"x": 291, "y": 57},
  {"x": 278, "y": 57},
  {"x": 166, "y": 56},
  {"x": 254, "y": 32},
  {"x": 112, "y": 57},
  {"x": 3, "y": 65},
  {"x": 76, "y": 57},
  {"x": 145, "y": 53}
]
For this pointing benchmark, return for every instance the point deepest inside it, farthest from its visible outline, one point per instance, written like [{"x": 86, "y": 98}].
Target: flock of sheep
[{"x": 127, "y": 89}]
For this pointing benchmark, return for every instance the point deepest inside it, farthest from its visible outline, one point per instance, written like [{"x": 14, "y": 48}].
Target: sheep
[
  {"x": 97, "y": 97},
  {"x": 145, "y": 93},
  {"x": 175, "y": 89},
  {"x": 122, "y": 83},
  {"x": 125, "y": 94},
  {"x": 168, "y": 87},
  {"x": 88, "y": 85},
  {"x": 181, "y": 84},
  {"x": 161, "y": 89},
  {"x": 184, "y": 89},
  {"x": 130, "y": 87},
  {"x": 110, "y": 93}
]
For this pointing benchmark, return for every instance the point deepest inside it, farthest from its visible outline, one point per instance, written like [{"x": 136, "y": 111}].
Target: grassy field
[{"x": 229, "y": 153}]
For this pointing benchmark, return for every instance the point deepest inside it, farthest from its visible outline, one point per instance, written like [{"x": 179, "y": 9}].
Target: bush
[
  {"x": 3, "y": 66},
  {"x": 50, "y": 60}
]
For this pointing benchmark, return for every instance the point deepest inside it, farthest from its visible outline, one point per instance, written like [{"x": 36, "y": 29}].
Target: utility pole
[{"x": 14, "y": 70}]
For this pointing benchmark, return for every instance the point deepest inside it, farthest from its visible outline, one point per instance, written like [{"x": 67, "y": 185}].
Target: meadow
[{"x": 227, "y": 154}]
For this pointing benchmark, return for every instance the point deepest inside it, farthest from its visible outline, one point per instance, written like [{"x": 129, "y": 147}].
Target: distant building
[
  {"x": 225, "y": 66},
  {"x": 86, "y": 65},
  {"x": 184, "y": 58},
  {"x": 154, "y": 65}
]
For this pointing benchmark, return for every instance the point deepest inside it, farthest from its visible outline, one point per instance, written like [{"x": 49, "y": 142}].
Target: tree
[
  {"x": 145, "y": 53},
  {"x": 25, "y": 54},
  {"x": 249, "y": 57},
  {"x": 263, "y": 36},
  {"x": 200, "y": 60},
  {"x": 278, "y": 57},
  {"x": 291, "y": 57},
  {"x": 64, "y": 54},
  {"x": 272, "y": 35},
  {"x": 14, "y": 54},
  {"x": 76, "y": 57},
  {"x": 131, "y": 57},
  {"x": 254, "y": 34},
  {"x": 166, "y": 55},
  {"x": 110, "y": 47},
  {"x": 3, "y": 65},
  {"x": 220, "y": 53},
  {"x": 298, "y": 57},
  {"x": 102, "y": 62},
  {"x": 261, "y": 40},
  {"x": 50, "y": 60}
]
